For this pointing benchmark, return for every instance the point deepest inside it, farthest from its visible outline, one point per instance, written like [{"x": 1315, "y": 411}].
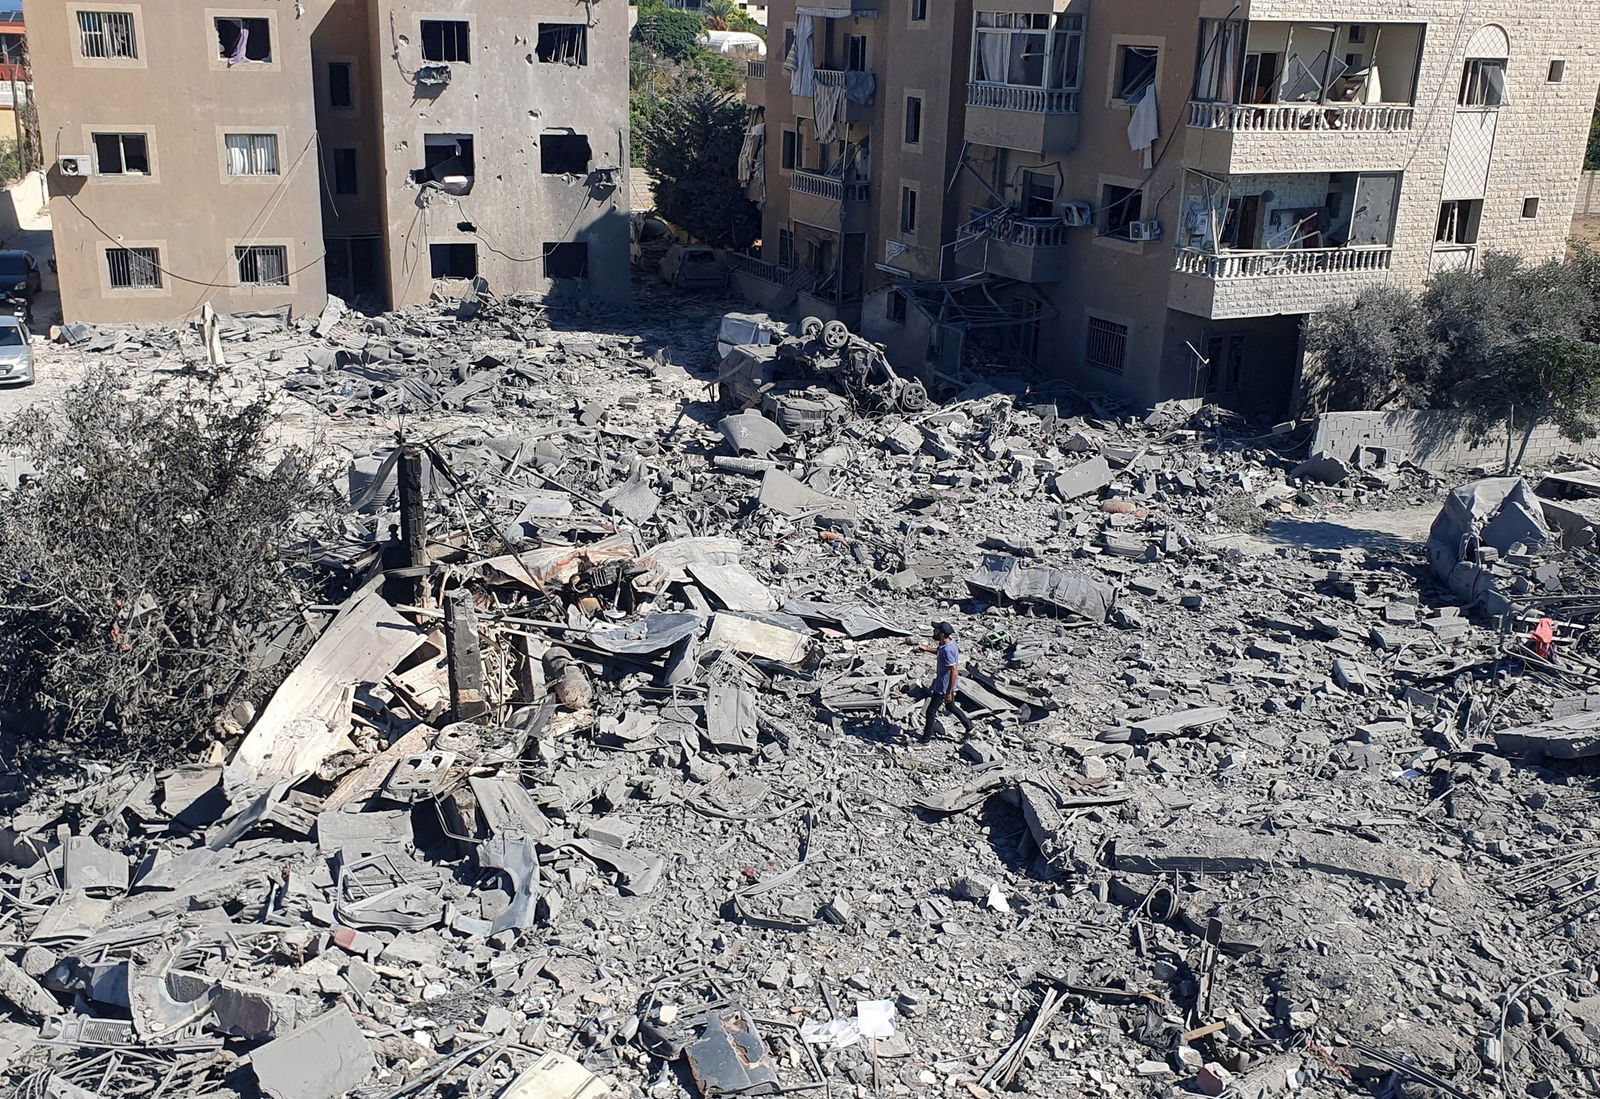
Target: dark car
[{"x": 19, "y": 274}]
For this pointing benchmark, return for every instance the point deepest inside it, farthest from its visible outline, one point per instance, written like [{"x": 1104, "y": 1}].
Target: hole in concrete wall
[
  {"x": 466, "y": 227},
  {"x": 453, "y": 261},
  {"x": 564, "y": 154},
  {"x": 566, "y": 259}
]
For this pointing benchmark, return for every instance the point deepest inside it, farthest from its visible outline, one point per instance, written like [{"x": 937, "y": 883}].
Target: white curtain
[
  {"x": 802, "y": 60},
  {"x": 252, "y": 154},
  {"x": 992, "y": 56}
]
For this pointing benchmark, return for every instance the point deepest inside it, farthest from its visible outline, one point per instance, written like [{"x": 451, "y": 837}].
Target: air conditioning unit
[
  {"x": 1077, "y": 214},
  {"x": 1144, "y": 230},
  {"x": 74, "y": 165}
]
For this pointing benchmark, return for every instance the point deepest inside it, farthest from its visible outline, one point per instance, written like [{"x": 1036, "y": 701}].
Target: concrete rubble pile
[{"x": 604, "y": 781}]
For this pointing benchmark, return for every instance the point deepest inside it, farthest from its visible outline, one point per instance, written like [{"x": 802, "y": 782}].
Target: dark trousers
[{"x": 936, "y": 702}]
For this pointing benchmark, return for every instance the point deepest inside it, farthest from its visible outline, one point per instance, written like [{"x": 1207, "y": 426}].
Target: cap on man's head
[{"x": 944, "y": 629}]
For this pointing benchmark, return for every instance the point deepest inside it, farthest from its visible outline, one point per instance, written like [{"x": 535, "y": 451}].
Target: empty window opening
[
  {"x": 341, "y": 85},
  {"x": 919, "y": 10},
  {"x": 563, "y": 44},
  {"x": 453, "y": 261},
  {"x": 134, "y": 268},
  {"x": 252, "y": 154},
  {"x": 121, "y": 155},
  {"x": 1483, "y": 82},
  {"x": 855, "y": 53},
  {"x": 1458, "y": 222},
  {"x": 262, "y": 264},
  {"x": 895, "y": 310},
  {"x": 913, "y": 120},
  {"x": 447, "y": 159},
  {"x": 1038, "y": 195},
  {"x": 785, "y": 248},
  {"x": 446, "y": 40},
  {"x": 791, "y": 150},
  {"x": 1557, "y": 73},
  {"x": 564, "y": 154},
  {"x": 1136, "y": 71},
  {"x": 566, "y": 259},
  {"x": 1122, "y": 206},
  {"x": 241, "y": 40},
  {"x": 908, "y": 209},
  {"x": 107, "y": 34},
  {"x": 1106, "y": 346},
  {"x": 1530, "y": 207},
  {"x": 344, "y": 172}
]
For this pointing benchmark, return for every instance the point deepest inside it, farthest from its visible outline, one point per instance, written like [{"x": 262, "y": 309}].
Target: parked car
[
  {"x": 693, "y": 267},
  {"x": 16, "y": 352},
  {"x": 19, "y": 274}
]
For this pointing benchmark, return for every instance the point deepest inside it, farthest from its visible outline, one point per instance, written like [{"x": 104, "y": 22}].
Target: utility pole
[{"x": 464, "y": 656}]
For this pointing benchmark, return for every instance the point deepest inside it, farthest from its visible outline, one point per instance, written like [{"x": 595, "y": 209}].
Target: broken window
[
  {"x": 446, "y": 40},
  {"x": 262, "y": 264},
  {"x": 1038, "y": 195},
  {"x": 564, "y": 154},
  {"x": 563, "y": 44},
  {"x": 447, "y": 158},
  {"x": 1106, "y": 346},
  {"x": 791, "y": 150},
  {"x": 1025, "y": 49},
  {"x": 133, "y": 268},
  {"x": 252, "y": 154},
  {"x": 121, "y": 155},
  {"x": 785, "y": 248},
  {"x": 344, "y": 171},
  {"x": 913, "y": 120},
  {"x": 107, "y": 34},
  {"x": 566, "y": 259},
  {"x": 1121, "y": 206},
  {"x": 1458, "y": 222},
  {"x": 1136, "y": 71},
  {"x": 453, "y": 261},
  {"x": 1483, "y": 82},
  {"x": 244, "y": 40},
  {"x": 908, "y": 209},
  {"x": 341, "y": 85},
  {"x": 895, "y": 309},
  {"x": 855, "y": 54}
]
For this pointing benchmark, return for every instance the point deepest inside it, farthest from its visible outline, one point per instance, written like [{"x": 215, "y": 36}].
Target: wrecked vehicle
[
  {"x": 817, "y": 377},
  {"x": 693, "y": 267},
  {"x": 757, "y": 329}
]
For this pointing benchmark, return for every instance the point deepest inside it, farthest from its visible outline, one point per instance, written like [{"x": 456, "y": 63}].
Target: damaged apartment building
[
  {"x": 1149, "y": 197},
  {"x": 266, "y": 154}
]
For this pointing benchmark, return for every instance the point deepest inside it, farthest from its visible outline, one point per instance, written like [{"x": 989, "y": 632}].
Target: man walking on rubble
[{"x": 948, "y": 671}]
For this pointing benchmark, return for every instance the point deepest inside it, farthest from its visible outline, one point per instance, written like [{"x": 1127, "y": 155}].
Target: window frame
[
  {"x": 1119, "y": 230},
  {"x": 157, "y": 286},
  {"x": 1476, "y": 87},
  {"x": 1064, "y": 33},
  {"x": 919, "y": 11},
  {"x": 219, "y": 60},
  {"x": 252, "y": 176},
  {"x": 896, "y": 306},
  {"x": 253, "y": 250},
  {"x": 450, "y": 32},
  {"x": 122, "y": 136},
  {"x": 453, "y": 244},
  {"x": 911, "y": 122},
  {"x": 1463, "y": 217},
  {"x": 1122, "y": 51},
  {"x": 81, "y": 38},
  {"x": 790, "y": 150},
  {"x": 349, "y": 67},
  {"x": 583, "y": 45},
  {"x": 1530, "y": 207},
  {"x": 1556, "y": 72},
  {"x": 910, "y": 214},
  {"x": 1103, "y": 328},
  {"x": 134, "y": 12}
]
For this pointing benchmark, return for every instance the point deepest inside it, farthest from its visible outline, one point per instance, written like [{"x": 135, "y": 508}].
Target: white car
[{"x": 16, "y": 352}]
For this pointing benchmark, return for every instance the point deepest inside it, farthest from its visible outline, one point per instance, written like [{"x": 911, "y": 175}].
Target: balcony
[
  {"x": 1282, "y": 118},
  {"x": 755, "y": 83},
  {"x": 1012, "y": 116},
  {"x": 1031, "y": 250},
  {"x": 860, "y": 92},
  {"x": 828, "y": 202},
  {"x": 834, "y": 8},
  {"x": 755, "y": 70},
  {"x": 1269, "y": 282}
]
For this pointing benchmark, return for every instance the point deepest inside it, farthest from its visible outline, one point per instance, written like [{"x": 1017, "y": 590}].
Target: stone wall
[{"x": 1436, "y": 439}]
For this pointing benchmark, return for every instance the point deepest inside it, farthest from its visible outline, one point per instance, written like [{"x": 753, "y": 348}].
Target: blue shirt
[{"x": 949, "y": 656}]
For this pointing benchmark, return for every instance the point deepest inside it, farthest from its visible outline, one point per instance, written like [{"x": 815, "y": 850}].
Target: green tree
[
  {"x": 1374, "y": 352},
  {"x": 669, "y": 32},
  {"x": 691, "y": 150},
  {"x": 1591, "y": 159},
  {"x": 144, "y": 567},
  {"x": 1543, "y": 379}
]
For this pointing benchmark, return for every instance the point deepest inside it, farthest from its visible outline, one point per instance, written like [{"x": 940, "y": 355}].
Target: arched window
[{"x": 1483, "y": 78}]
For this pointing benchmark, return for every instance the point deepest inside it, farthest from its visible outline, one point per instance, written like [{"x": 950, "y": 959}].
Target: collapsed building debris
[{"x": 601, "y": 780}]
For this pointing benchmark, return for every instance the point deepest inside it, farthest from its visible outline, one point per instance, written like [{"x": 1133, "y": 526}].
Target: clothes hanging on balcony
[
  {"x": 860, "y": 87},
  {"x": 753, "y": 161},
  {"x": 1144, "y": 128},
  {"x": 801, "y": 62},
  {"x": 828, "y": 108}
]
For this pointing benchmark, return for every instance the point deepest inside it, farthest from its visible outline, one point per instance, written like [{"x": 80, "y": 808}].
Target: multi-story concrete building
[
  {"x": 257, "y": 155},
  {"x": 1149, "y": 197}
]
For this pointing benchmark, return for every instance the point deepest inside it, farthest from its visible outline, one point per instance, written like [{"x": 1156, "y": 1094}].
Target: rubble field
[{"x": 606, "y": 778}]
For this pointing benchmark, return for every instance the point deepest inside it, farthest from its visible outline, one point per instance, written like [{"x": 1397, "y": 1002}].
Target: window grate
[
  {"x": 134, "y": 268},
  {"x": 252, "y": 154},
  {"x": 107, "y": 34},
  {"x": 262, "y": 264},
  {"x": 1107, "y": 345}
]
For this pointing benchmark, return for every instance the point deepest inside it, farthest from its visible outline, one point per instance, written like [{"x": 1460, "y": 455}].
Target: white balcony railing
[
  {"x": 1453, "y": 257},
  {"x": 1271, "y": 263},
  {"x": 1289, "y": 117},
  {"x": 828, "y": 187},
  {"x": 1010, "y": 97}
]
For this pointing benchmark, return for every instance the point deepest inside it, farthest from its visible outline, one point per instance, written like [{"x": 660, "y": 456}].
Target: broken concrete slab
[
  {"x": 324, "y": 1059},
  {"x": 1082, "y": 479},
  {"x": 1576, "y": 736},
  {"x": 555, "y": 1076}
]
